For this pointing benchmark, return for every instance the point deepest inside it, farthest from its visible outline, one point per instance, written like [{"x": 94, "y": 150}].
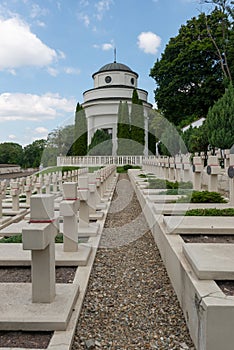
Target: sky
[{"x": 49, "y": 50}]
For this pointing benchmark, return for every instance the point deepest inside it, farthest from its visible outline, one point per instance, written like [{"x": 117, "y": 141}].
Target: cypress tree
[
  {"x": 80, "y": 132},
  {"x": 123, "y": 129},
  {"x": 137, "y": 125},
  {"x": 219, "y": 123}
]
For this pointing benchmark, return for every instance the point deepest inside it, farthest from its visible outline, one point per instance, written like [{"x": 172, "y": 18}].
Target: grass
[
  {"x": 18, "y": 239},
  {"x": 165, "y": 184},
  {"x": 210, "y": 212}
]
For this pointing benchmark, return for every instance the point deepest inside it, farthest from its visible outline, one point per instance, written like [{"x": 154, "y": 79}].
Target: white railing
[{"x": 102, "y": 160}]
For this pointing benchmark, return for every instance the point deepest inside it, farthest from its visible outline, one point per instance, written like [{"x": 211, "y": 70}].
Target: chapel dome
[{"x": 115, "y": 66}]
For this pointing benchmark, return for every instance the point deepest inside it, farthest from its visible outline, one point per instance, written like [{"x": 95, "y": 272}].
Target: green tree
[
  {"x": 80, "y": 132},
  {"x": 11, "y": 153},
  {"x": 59, "y": 142},
  {"x": 219, "y": 124},
  {"x": 33, "y": 153},
  {"x": 195, "y": 139},
  {"x": 137, "y": 125},
  {"x": 123, "y": 129},
  {"x": 189, "y": 76},
  {"x": 101, "y": 144}
]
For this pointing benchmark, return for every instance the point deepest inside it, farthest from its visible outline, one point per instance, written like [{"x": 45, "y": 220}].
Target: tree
[
  {"x": 11, "y": 153},
  {"x": 101, "y": 144},
  {"x": 189, "y": 76},
  {"x": 219, "y": 123},
  {"x": 195, "y": 139},
  {"x": 80, "y": 132},
  {"x": 137, "y": 125},
  {"x": 123, "y": 129},
  {"x": 59, "y": 142},
  {"x": 33, "y": 154}
]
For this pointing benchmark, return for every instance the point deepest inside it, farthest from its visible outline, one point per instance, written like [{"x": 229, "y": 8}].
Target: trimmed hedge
[
  {"x": 202, "y": 197},
  {"x": 210, "y": 212}
]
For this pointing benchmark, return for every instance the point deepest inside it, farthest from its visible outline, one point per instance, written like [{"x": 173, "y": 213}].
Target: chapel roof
[{"x": 115, "y": 66}]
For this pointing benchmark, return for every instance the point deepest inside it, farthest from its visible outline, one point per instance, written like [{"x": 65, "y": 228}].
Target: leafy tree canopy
[
  {"x": 101, "y": 144},
  {"x": 11, "y": 153},
  {"x": 189, "y": 75}
]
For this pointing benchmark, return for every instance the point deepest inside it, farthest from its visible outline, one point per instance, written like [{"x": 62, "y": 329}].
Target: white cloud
[
  {"x": 52, "y": 71},
  {"x": 70, "y": 70},
  {"x": 107, "y": 46},
  {"x": 41, "y": 130},
  {"x": 84, "y": 3},
  {"x": 11, "y": 137},
  {"x": 84, "y": 18},
  {"x": 40, "y": 24},
  {"x": 20, "y": 47},
  {"x": 37, "y": 11},
  {"x": 102, "y": 6},
  {"x": 149, "y": 42},
  {"x": 19, "y": 106}
]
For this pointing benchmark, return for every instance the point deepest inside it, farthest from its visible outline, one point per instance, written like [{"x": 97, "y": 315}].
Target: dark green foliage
[
  {"x": 210, "y": 212},
  {"x": 203, "y": 197},
  {"x": 160, "y": 183},
  {"x": 175, "y": 191},
  {"x": 123, "y": 129},
  {"x": 12, "y": 239},
  {"x": 196, "y": 139},
  {"x": 11, "y": 153},
  {"x": 64, "y": 168},
  {"x": 219, "y": 123},
  {"x": 189, "y": 76},
  {"x": 80, "y": 132},
  {"x": 137, "y": 125},
  {"x": 101, "y": 144},
  {"x": 125, "y": 168},
  {"x": 33, "y": 154}
]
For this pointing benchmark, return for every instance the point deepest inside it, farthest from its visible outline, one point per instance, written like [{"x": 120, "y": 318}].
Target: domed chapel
[{"x": 114, "y": 82}]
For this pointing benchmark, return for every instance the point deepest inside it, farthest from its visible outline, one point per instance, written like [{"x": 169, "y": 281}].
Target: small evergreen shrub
[
  {"x": 202, "y": 197},
  {"x": 210, "y": 212}
]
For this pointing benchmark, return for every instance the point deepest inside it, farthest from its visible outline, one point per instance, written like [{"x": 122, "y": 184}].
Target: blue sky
[{"x": 49, "y": 50}]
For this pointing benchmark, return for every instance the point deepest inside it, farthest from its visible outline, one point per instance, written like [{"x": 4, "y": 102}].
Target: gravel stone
[{"x": 130, "y": 303}]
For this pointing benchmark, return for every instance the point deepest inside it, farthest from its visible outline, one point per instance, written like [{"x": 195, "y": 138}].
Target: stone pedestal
[
  {"x": 39, "y": 238},
  {"x": 213, "y": 169},
  {"x": 14, "y": 192},
  {"x": 197, "y": 170},
  {"x": 68, "y": 209}
]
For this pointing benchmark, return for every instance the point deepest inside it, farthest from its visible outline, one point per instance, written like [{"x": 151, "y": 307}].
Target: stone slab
[
  {"x": 10, "y": 212},
  {"x": 90, "y": 231},
  {"x": 199, "y": 225},
  {"x": 163, "y": 198},
  {"x": 12, "y": 254},
  {"x": 181, "y": 208},
  {"x": 17, "y": 312},
  {"x": 96, "y": 216},
  {"x": 14, "y": 229},
  {"x": 211, "y": 261}
]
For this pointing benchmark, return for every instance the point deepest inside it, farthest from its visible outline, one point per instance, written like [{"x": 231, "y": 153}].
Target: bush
[
  {"x": 210, "y": 212},
  {"x": 175, "y": 191},
  {"x": 125, "y": 168},
  {"x": 202, "y": 197}
]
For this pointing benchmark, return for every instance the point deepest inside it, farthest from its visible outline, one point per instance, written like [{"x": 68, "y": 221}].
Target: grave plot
[
  {"x": 48, "y": 303},
  {"x": 196, "y": 270}
]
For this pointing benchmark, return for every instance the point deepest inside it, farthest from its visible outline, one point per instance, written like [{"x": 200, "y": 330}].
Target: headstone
[{"x": 39, "y": 238}]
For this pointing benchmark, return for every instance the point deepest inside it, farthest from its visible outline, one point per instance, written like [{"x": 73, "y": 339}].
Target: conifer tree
[
  {"x": 137, "y": 125},
  {"x": 123, "y": 129},
  {"x": 219, "y": 123},
  {"x": 80, "y": 132}
]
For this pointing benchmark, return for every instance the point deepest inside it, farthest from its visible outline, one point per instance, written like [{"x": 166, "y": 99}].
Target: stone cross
[
  {"x": 93, "y": 195},
  {"x": 39, "y": 237},
  {"x": 231, "y": 180},
  {"x": 28, "y": 189},
  {"x": 68, "y": 209},
  {"x": 197, "y": 171},
  {"x": 83, "y": 194},
  {"x": 213, "y": 169},
  {"x": 14, "y": 192}
]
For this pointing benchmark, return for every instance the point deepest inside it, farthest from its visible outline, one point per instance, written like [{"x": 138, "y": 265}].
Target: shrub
[
  {"x": 210, "y": 212},
  {"x": 202, "y": 197}
]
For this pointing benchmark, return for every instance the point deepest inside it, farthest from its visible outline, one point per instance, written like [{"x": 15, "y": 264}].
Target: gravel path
[{"x": 130, "y": 303}]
